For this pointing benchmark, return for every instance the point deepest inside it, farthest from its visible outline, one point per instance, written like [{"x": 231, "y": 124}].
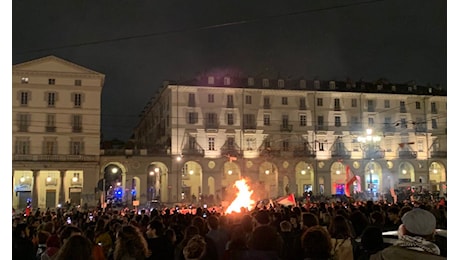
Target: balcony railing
[
  {"x": 439, "y": 154},
  {"x": 285, "y": 128},
  {"x": 407, "y": 154},
  {"x": 341, "y": 154},
  {"x": 196, "y": 151},
  {"x": 230, "y": 152},
  {"x": 374, "y": 154},
  {"x": 303, "y": 153},
  {"x": 267, "y": 106},
  {"x": 55, "y": 158}
]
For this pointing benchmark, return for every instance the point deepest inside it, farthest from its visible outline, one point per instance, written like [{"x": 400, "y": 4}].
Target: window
[
  {"x": 211, "y": 143},
  {"x": 403, "y": 123},
  {"x": 248, "y": 99},
  {"x": 337, "y": 121},
  {"x": 370, "y": 121},
  {"x": 226, "y": 81},
  {"x": 370, "y": 106},
  {"x": 433, "y": 108},
  {"x": 192, "y": 117},
  {"x": 303, "y": 120},
  {"x": 22, "y": 146},
  {"x": 336, "y": 104},
  {"x": 250, "y": 82},
  {"x": 354, "y": 122},
  {"x": 192, "y": 143},
  {"x": 321, "y": 146},
  {"x": 386, "y": 103},
  {"x": 78, "y": 82},
  {"x": 267, "y": 144},
  {"x": 266, "y": 119},
  {"x": 210, "y": 98},
  {"x": 231, "y": 142},
  {"x": 23, "y": 122},
  {"x": 420, "y": 145},
  {"x": 51, "y": 97},
  {"x": 354, "y": 102},
  {"x": 191, "y": 99},
  {"x": 285, "y": 121},
  {"x": 24, "y": 98},
  {"x": 24, "y": 80},
  {"x": 77, "y": 100},
  {"x": 280, "y": 83},
  {"x": 50, "y": 123},
  {"x": 284, "y": 100},
  {"x": 76, "y": 147},
  {"x": 50, "y": 146},
  {"x": 210, "y": 80},
  {"x": 331, "y": 84},
  {"x": 51, "y": 81},
  {"x": 266, "y": 102},
  {"x": 230, "y": 119},
  {"x": 303, "y": 104},
  {"x": 230, "y": 101},
  {"x": 249, "y": 121},
  {"x": 434, "y": 123},
  {"x": 285, "y": 145},
  {"x": 76, "y": 123},
  {"x": 211, "y": 120},
  {"x": 319, "y": 102},
  {"x": 402, "y": 107},
  {"x": 265, "y": 83},
  {"x": 417, "y": 105},
  {"x": 320, "y": 122}
]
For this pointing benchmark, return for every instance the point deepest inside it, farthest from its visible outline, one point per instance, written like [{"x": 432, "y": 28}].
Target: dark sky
[{"x": 139, "y": 44}]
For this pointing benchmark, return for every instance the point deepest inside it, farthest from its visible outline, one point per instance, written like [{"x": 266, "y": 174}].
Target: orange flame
[{"x": 243, "y": 198}]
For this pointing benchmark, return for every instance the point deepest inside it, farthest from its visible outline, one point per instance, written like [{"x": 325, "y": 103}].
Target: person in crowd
[
  {"x": 160, "y": 247},
  {"x": 264, "y": 238},
  {"x": 211, "y": 248},
  {"x": 217, "y": 235},
  {"x": 53, "y": 244},
  {"x": 289, "y": 237},
  {"x": 371, "y": 242},
  {"x": 68, "y": 231},
  {"x": 23, "y": 247},
  {"x": 237, "y": 244},
  {"x": 102, "y": 236},
  {"x": 190, "y": 231},
  {"x": 316, "y": 244},
  {"x": 130, "y": 244},
  {"x": 76, "y": 247},
  {"x": 341, "y": 238},
  {"x": 415, "y": 238},
  {"x": 42, "y": 236},
  {"x": 393, "y": 220},
  {"x": 195, "y": 248}
]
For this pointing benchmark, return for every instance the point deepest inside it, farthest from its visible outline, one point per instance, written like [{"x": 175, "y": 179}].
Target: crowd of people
[{"x": 323, "y": 230}]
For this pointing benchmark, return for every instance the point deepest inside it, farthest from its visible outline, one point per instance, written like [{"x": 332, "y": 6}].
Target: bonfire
[{"x": 243, "y": 198}]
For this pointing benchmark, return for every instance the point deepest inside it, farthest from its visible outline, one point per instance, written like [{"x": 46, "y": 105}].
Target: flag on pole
[
  {"x": 349, "y": 180},
  {"x": 288, "y": 200}
]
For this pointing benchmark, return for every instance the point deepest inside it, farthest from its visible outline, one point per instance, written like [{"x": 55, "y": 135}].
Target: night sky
[{"x": 139, "y": 44}]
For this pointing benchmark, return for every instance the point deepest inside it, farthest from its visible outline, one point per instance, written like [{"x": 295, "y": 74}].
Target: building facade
[
  {"x": 56, "y": 109},
  {"x": 195, "y": 139}
]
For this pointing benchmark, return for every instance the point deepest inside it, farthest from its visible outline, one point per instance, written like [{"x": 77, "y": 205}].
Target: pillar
[{"x": 35, "y": 189}]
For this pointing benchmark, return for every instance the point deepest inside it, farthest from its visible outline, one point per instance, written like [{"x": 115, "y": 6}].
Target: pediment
[{"x": 53, "y": 64}]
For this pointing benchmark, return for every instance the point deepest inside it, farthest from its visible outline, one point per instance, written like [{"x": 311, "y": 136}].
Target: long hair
[
  {"x": 339, "y": 227},
  {"x": 76, "y": 247},
  {"x": 316, "y": 243},
  {"x": 130, "y": 243}
]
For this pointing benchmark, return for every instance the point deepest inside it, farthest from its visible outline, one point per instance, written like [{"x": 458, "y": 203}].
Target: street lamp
[{"x": 369, "y": 140}]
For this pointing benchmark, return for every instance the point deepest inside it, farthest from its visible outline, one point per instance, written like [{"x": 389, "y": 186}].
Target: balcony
[
  {"x": 341, "y": 154},
  {"x": 251, "y": 126},
  {"x": 303, "y": 153},
  {"x": 407, "y": 154},
  {"x": 285, "y": 128},
  {"x": 337, "y": 108},
  {"x": 211, "y": 127},
  {"x": 302, "y": 107},
  {"x": 267, "y": 106},
  {"x": 439, "y": 154},
  {"x": 269, "y": 152},
  {"x": 50, "y": 129},
  {"x": 374, "y": 154},
  {"x": 55, "y": 158},
  {"x": 76, "y": 129},
  {"x": 230, "y": 152},
  {"x": 195, "y": 152}
]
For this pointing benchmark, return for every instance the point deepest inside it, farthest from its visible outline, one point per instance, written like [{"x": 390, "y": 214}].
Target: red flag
[
  {"x": 288, "y": 200},
  {"x": 350, "y": 181}
]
